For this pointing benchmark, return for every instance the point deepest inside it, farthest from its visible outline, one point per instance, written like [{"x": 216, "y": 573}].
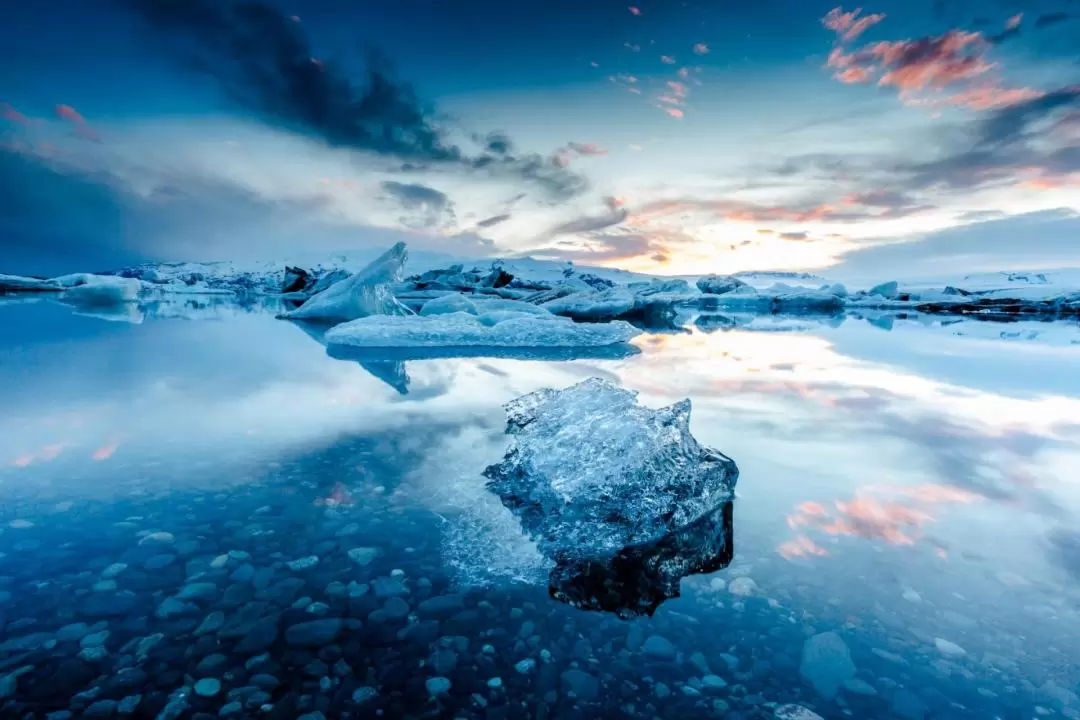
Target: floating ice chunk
[
  {"x": 719, "y": 284},
  {"x": 459, "y": 330},
  {"x": 817, "y": 300},
  {"x": 18, "y": 283},
  {"x": 592, "y": 472},
  {"x": 448, "y": 304},
  {"x": 366, "y": 293},
  {"x": 493, "y": 304},
  {"x": 888, "y": 289},
  {"x": 86, "y": 289},
  {"x": 593, "y": 306}
]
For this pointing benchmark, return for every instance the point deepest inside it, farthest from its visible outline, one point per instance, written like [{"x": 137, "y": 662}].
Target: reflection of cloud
[
  {"x": 44, "y": 455},
  {"x": 894, "y": 515},
  {"x": 106, "y": 451}
]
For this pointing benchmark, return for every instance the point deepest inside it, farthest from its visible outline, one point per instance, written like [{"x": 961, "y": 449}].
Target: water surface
[{"x": 904, "y": 541}]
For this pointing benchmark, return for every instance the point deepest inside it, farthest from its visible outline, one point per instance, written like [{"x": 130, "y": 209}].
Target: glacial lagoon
[{"x": 206, "y": 514}]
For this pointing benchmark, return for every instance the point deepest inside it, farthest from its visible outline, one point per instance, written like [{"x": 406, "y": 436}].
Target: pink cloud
[
  {"x": 12, "y": 115},
  {"x": 677, "y": 88},
  {"x": 667, "y": 59},
  {"x": 986, "y": 97},
  {"x": 634, "y": 10},
  {"x": 586, "y": 148},
  {"x": 1014, "y": 21},
  {"x": 684, "y": 73},
  {"x": 701, "y": 49},
  {"x": 69, "y": 113},
  {"x": 82, "y": 128},
  {"x": 106, "y": 451},
  {"x": 674, "y": 112},
  {"x": 848, "y": 25},
  {"x": 934, "y": 61}
]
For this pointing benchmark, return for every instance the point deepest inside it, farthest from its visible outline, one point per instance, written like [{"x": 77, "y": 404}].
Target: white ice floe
[
  {"x": 88, "y": 290},
  {"x": 593, "y": 306},
  {"x": 591, "y": 471},
  {"x": 18, "y": 283},
  {"x": 368, "y": 292},
  {"x": 502, "y": 328},
  {"x": 445, "y": 304}
]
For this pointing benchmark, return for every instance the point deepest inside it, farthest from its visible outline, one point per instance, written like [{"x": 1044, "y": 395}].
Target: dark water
[{"x": 182, "y": 497}]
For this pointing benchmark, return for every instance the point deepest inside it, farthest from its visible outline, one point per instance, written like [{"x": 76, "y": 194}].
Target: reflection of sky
[{"x": 843, "y": 435}]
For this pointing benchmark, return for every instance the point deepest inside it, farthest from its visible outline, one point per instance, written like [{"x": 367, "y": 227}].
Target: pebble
[
  {"x": 208, "y": 687},
  {"x": 396, "y": 608},
  {"x": 948, "y": 648},
  {"x": 438, "y": 685},
  {"x": 95, "y": 639},
  {"x": 581, "y": 683},
  {"x": 742, "y": 586},
  {"x": 363, "y": 694},
  {"x": 658, "y": 646},
  {"x": 211, "y": 623},
  {"x": 314, "y": 633},
  {"x": 795, "y": 712},
  {"x": 113, "y": 570},
  {"x": 304, "y": 563},
  {"x": 713, "y": 683},
  {"x": 526, "y": 666},
  {"x": 159, "y": 538},
  {"x": 859, "y": 687},
  {"x": 363, "y": 556},
  {"x": 826, "y": 663}
]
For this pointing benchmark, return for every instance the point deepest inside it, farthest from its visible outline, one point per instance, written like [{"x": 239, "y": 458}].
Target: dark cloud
[
  {"x": 416, "y": 195},
  {"x": 1044, "y": 21},
  {"x": 590, "y": 223},
  {"x": 794, "y": 236},
  {"x": 492, "y": 221},
  {"x": 265, "y": 63},
  {"x": 989, "y": 245},
  {"x": 430, "y": 207},
  {"x": 1008, "y": 145}
]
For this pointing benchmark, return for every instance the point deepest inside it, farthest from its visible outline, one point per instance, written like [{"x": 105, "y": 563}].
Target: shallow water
[{"x": 904, "y": 537}]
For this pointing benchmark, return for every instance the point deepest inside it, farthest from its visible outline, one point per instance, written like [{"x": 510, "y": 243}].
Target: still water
[{"x": 205, "y": 515}]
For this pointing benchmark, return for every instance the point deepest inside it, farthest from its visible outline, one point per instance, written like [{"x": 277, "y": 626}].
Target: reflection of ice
[
  {"x": 389, "y": 370},
  {"x": 552, "y": 354},
  {"x": 637, "y": 579}
]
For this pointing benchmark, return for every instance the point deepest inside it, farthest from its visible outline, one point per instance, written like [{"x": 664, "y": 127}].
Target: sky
[{"x": 888, "y": 139}]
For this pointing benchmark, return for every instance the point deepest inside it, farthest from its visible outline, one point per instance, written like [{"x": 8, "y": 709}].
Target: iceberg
[
  {"x": 89, "y": 290},
  {"x": 719, "y": 284},
  {"x": 593, "y": 306},
  {"x": 18, "y": 283},
  {"x": 368, "y": 292},
  {"x": 591, "y": 472},
  {"x": 504, "y": 328},
  {"x": 446, "y": 304}
]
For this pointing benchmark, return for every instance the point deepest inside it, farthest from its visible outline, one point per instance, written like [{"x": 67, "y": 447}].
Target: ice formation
[
  {"x": 505, "y": 328},
  {"x": 591, "y": 472},
  {"x": 366, "y": 293},
  {"x": 85, "y": 289},
  {"x": 718, "y": 284},
  {"x": 18, "y": 283}
]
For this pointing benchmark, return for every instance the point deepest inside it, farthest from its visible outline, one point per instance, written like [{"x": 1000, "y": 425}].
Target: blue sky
[{"x": 667, "y": 137}]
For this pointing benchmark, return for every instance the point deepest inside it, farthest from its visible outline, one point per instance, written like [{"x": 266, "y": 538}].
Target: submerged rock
[
  {"x": 592, "y": 472},
  {"x": 826, "y": 663}
]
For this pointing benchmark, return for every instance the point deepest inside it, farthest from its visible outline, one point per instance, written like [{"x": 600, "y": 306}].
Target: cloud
[
  {"x": 9, "y": 113},
  {"x": 701, "y": 49},
  {"x": 988, "y": 243},
  {"x": 634, "y": 10},
  {"x": 589, "y": 223},
  {"x": 265, "y": 63},
  {"x": 794, "y": 236},
  {"x": 586, "y": 148},
  {"x": 433, "y": 208},
  {"x": 493, "y": 221},
  {"x": 82, "y": 128},
  {"x": 848, "y": 25},
  {"x": 667, "y": 59}
]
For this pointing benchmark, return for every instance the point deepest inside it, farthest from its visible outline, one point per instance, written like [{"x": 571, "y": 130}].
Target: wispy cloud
[{"x": 848, "y": 25}]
